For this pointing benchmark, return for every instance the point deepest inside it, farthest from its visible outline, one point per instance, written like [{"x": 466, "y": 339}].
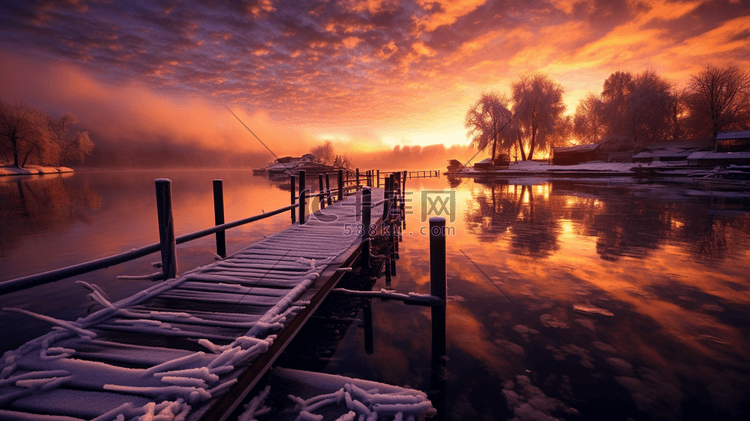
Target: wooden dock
[{"x": 189, "y": 347}]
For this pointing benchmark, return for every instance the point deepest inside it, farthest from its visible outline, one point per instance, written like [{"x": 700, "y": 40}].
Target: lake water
[{"x": 576, "y": 299}]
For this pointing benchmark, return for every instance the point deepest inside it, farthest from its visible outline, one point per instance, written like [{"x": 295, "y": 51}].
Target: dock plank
[{"x": 192, "y": 345}]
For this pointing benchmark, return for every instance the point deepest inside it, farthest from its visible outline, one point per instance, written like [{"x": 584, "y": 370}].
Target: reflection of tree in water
[
  {"x": 516, "y": 209},
  {"x": 714, "y": 236},
  {"x": 41, "y": 204},
  {"x": 454, "y": 180},
  {"x": 625, "y": 224},
  {"x": 626, "y": 221}
]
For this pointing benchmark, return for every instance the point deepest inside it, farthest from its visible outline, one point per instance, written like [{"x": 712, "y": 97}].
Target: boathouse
[
  {"x": 732, "y": 141},
  {"x": 572, "y": 155},
  {"x": 730, "y": 148}
]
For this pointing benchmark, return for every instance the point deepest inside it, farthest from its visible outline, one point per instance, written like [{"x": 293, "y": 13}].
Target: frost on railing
[
  {"x": 356, "y": 399},
  {"x": 170, "y": 385},
  {"x": 174, "y": 385}
]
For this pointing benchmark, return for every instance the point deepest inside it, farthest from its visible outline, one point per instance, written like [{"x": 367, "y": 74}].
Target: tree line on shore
[
  {"x": 28, "y": 136},
  {"x": 633, "y": 110}
]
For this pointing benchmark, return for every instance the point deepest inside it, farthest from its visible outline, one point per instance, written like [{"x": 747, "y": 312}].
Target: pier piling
[
  {"x": 302, "y": 201},
  {"x": 321, "y": 193},
  {"x": 221, "y": 244},
  {"x": 366, "y": 221},
  {"x": 438, "y": 288},
  {"x": 166, "y": 227},
  {"x": 293, "y": 199},
  {"x": 341, "y": 185}
]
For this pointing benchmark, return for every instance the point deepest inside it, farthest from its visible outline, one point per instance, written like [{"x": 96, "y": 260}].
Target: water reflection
[
  {"x": 626, "y": 222},
  {"x": 49, "y": 222},
  {"x": 593, "y": 301},
  {"x": 42, "y": 205}
]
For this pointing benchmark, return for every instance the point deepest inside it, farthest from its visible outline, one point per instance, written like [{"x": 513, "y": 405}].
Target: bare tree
[
  {"x": 588, "y": 122},
  {"x": 649, "y": 109},
  {"x": 341, "y": 162},
  {"x": 720, "y": 99},
  {"x": 28, "y": 135},
  {"x": 24, "y": 133},
  {"x": 538, "y": 108},
  {"x": 324, "y": 153},
  {"x": 488, "y": 122},
  {"x": 74, "y": 146}
]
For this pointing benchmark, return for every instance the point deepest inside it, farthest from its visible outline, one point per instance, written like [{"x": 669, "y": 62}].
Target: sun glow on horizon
[{"x": 368, "y": 84}]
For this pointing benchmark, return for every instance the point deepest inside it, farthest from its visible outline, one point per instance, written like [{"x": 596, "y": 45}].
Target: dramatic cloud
[{"x": 399, "y": 72}]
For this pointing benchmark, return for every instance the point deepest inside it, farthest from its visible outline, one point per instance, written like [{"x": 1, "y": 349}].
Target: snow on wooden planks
[{"x": 172, "y": 350}]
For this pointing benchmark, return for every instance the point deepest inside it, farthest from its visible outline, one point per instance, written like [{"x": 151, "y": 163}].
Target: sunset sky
[{"x": 368, "y": 75}]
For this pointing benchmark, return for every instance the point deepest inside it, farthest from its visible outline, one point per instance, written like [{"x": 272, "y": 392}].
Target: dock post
[
  {"x": 403, "y": 203},
  {"x": 302, "y": 201},
  {"x": 341, "y": 185},
  {"x": 377, "y": 182},
  {"x": 357, "y": 172},
  {"x": 438, "y": 288},
  {"x": 321, "y": 192},
  {"x": 328, "y": 189},
  {"x": 387, "y": 267},
  {"x": 166, "y": 227},
  {"x": 393, "y": 192},
  {"x": 367, "y": 314},
  {"x": 294, "y": 199},
  {"x": 221, "y": 242},
  {"x": 366, "y": 220}
]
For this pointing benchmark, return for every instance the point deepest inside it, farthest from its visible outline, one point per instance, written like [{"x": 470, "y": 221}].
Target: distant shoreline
[{"x": 33, "y": 170}]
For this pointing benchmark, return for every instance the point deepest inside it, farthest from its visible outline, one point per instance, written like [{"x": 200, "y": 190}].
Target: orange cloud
[
  {"x": 135, "y": 114},
  {"x": 448, "y": 11}
]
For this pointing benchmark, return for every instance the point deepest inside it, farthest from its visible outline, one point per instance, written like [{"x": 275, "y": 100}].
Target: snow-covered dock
[{"x": 190, "y": 347}]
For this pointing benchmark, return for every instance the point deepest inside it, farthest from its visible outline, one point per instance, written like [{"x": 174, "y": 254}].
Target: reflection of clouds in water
[
  {"x": 560, "y": 354},
  {"x": 601, "y": 346},
  {"x": 588, "y": 324},
  {"x": 653, "y": 395},
  {"x": 525, "y": 331},
  {"x": 622, "y": 366},
  {"x": 550, "y": 321},
  {"x": 528, "y": 402},
  {"x": 510, "y": 346}
]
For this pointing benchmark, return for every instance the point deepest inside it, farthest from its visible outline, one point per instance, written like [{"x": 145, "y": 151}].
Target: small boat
[{"x": 289, "y": 165}]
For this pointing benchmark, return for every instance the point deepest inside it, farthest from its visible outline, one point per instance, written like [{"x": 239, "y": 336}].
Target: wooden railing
[{"x": 168, "y": 242}]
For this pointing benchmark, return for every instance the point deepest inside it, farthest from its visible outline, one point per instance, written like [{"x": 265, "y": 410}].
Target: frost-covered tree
[
  {"x": 341, "y": 162},
  {"x": 640, "y": 108},
  {"x": 617, "y": 88},
  {"x": 539, "y": 109},
  {"x": 489, "y": 122},
  {"x": 74, "y": 146},
  {"x": 650, "y": 107},
  {"x": 588, "y": 122},
  {"x": 324, "y": 153},
  {"x": 28, "y": 135}
]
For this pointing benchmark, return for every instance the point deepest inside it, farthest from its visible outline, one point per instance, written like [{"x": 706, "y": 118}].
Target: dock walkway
[{"x": 190, "y": 347}]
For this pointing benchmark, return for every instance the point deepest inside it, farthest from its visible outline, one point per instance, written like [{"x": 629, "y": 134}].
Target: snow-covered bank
[
  {"x": 33, "y": 170},
  {"x": 531, "y": 167}
]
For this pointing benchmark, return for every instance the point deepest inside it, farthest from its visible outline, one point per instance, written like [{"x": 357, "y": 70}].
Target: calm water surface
[
  {"x": 579, "y": 300},
  {"x": 50, "y": 222}
]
